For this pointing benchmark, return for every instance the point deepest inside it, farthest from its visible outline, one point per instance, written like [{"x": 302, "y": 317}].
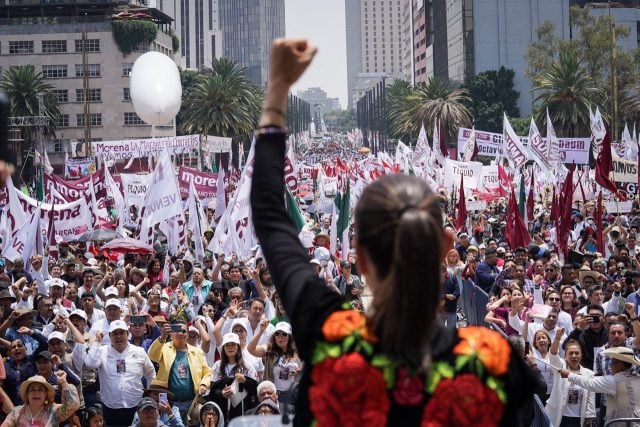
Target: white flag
[
  {"x": 552, "y": 142},
  {"x": 630, "y": 147},
  {"x": 512, "y": 145},
  {"x": 538, "y": 147},
  {"x": 197, "y": 221},
  {"x": 221, "y": 201},
  {"x": 470, "y": 146},
  {"x": 118, "y": 201},
  {"x": 162, "y": 200},
  {"x": 25, "y": 240}
]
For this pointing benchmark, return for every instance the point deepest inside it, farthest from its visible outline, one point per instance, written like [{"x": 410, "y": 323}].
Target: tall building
[
  {"x": 197, "y": 24},
  {"x": 317, "y": 98},
  {"x": 374, "y": 30},
  {"x": 417, "y": 24},
  {"x": 49, "y": 36},
  {"x": 248, "y": 28}
]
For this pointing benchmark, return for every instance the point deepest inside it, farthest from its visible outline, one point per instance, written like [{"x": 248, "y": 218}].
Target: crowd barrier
[
  {"x": 623, "y": 422},
  {"x": 473, "y": 302}
]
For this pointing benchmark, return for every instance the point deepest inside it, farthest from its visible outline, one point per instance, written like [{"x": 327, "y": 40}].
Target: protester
[{"x": 400, "y": 247}]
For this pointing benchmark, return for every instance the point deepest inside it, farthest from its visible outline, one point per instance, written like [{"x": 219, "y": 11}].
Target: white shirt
[
  {"x": 101, "y": 325},
  {"x": 120, "y": 373}
]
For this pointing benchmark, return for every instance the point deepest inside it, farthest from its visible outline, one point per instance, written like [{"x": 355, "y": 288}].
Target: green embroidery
[
  {"x": 388, "y": 369},
  {"x": 497, "y": 386}
]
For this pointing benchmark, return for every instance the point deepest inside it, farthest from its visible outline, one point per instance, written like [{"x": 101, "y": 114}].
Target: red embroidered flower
[
  {"x": 462, "y": 401},
  {"x": 408, "y": 390},
  {"x": 490, "y": 347},
  {"x": 347, "y": 391}
]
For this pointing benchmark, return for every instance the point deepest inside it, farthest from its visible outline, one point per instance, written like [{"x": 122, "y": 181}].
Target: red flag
[
  {"x": 462, "y": 207},
  {"x": 597, "y": 218},
  {"x": 554, "y": 207},
  {"x": 566, "y": 200},
  {"x": 604, "y": 165},
  {"x": 505, "y": 181},
  {"x": 516, "y": 230},
  {"x": 530, "y": 199}
]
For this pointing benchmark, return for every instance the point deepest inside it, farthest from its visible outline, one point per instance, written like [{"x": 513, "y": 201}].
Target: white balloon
[{"x": 156, "y": 91}]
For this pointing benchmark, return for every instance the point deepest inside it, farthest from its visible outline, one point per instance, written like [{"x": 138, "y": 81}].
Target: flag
[
  {"x": 553, "y": 144},
  {"x": 630, "y": 147},
  {"x": 25, "y": 239},
  {"x": 531, "y": 198},
  {"x": 512, "y": 145},
  {"x": 437, "y": 150},
  {"x": 462, "y": 207},
  {"x": 197, "y": 221},
  {"x": 470, "y": 149},
  {"x": 343, "y": 203},
  {"x": 521, "y": 197},
  {"x": 294, "y": 211},
  {"x": 604, "y": 165},
  {"x": 221, "y": 200},
  {"x": 538, "y": 147},
  {"x": 516, "y": 231},
  {"x": 597, "y": 218},
  {"x": 566, "y": 200}
]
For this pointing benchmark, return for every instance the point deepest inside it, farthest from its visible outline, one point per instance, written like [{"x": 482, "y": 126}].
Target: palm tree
[
  {"x": 631, "y": 101},
  {"x": 437, "y": 100},
  {"x": 222, "y": 103},
  {"x": 23, "y": 84},
  {"x": 567, "y": 91},
  {"x": 400, "y": 127}
]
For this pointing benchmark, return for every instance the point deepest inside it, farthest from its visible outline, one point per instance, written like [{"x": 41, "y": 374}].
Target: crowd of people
[{"x": 92, "y": 337}]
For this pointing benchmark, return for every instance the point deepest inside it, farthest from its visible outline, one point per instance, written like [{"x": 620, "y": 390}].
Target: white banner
[
  {"x": 476, "y": 205},
  {"x": 454, "y": 170},
  {"x": 489, "y": 181},
  {"x": 618, "y": 207},
  {"x": 216, "y": 144},
  {"x": 133, "y": 148},
  {"x": 134, "y": 188},
  {"x": 572, "y": 150},
  {"x": 624, "y": 170}
]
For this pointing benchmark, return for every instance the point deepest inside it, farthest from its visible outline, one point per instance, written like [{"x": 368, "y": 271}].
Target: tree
[
  {"x": 23, "y": 84},
  {"x": 398, "y": 126},
  {"x": 188, "y": 80},
  {"x": 438, "y": 101},
  {"x": 491, "y": 93},
  {"x": 568, "y": 90},
  {"x": 222, "y": 102},
  {"x": 592, "y": 40}
]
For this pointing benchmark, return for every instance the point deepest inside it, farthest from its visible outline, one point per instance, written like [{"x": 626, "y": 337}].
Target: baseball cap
[
  {"x": 314, "y": 261},
  {"x": 79, "y": 313},
  {"x": 57, "y": 282},
  {"x": 192, "y": 329},
  {"x": 56, "y": 335},
  {"x": 111, "y": 291},
  {"x": 147, "y": 402},
  {"x": 118, "y": 325},
  {"x": 283, "y": 327},
  {"x": 43, "y": 355},
  {"x": 230, "y": 338},
  {"x": 112, "y": 303}
]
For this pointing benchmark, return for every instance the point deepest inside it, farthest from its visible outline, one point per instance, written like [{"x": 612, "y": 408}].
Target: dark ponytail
[{"x": 399, "y": 224}]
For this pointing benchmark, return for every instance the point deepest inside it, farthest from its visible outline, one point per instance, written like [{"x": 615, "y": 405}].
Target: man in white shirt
[
  {"x": 550, "y": 325},
  {"x": 121, "y": 367},
  {"x": 113, "y": 312}
]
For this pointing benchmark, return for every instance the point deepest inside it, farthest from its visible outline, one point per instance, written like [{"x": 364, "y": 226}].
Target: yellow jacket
[{"x": 165, "y": 354}]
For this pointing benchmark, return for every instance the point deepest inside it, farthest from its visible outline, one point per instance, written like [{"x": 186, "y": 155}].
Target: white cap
[
  {"x": 240, "y": 321},
  {"x": 111, "y": 291},
  {"x": 314, "y": 261},
  {"x": 230, "y": 338},
  {"x": 284, "y": 327},
  {"x": 118, "y": 325},
  {"x": 56, "y": 335},
  {"x": 92, "y": 262},
  {"x": 57, "y": 282},
  {"x": 112, "y": 303},
  {"x": 193, "y": 329},
  {"x": 79, "y": 313}
]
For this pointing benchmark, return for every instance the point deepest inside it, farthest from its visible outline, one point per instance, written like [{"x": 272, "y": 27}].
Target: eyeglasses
[
  {"x": 508, "y": 258},
  {"x": 280, "y": 334},
  {"x": 553, "y": 299},
  {"x": 549, "y": 270}
]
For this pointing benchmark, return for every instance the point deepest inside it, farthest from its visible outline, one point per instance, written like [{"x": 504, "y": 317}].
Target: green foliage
[
  {"x": 131, "y": 33},
  {"x": 343, "y": 120},
  {"x": 491, "y": 93},
  {"x": 23, "y": 84},
  {"x": 175, "y": 41},
  {"x": 409, "y": 108},
  {"x": 592, "y": 42},
  {"x": 567, "y": 89},
  {"x": 519, "y": 124},
  {"x": 221, "y": 101}
]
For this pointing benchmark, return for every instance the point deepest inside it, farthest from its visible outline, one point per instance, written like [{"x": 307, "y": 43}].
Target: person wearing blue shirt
[{"x": 487, "y": 271}]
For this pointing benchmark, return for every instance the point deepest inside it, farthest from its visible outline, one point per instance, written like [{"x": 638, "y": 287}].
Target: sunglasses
[
  {"x": 553, "y": 299},
  {"x": 281, "y": 334},
  {"x": 549, "y": 270}
]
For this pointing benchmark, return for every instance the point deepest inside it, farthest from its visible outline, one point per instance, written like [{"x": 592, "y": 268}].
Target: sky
[{"x": 322, "y": 22}]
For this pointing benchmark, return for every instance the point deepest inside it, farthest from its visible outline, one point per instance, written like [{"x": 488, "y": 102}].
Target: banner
[
  {"x": 77, "y": 167},
  {"x": 216, "y": 144},
  {"x": 572, "y": 150},
  {"x": 453, "y": 170},
  {"x": 134, "y": 188},
  {"x": 72, "y": 190},
  {"x": 204, "y": 182},
  {"x": 489, "y": 181},
  {"x": 618, "y": 207},
  {"x": 625, "y": 175},
  {"x": 133, "y": 148}
]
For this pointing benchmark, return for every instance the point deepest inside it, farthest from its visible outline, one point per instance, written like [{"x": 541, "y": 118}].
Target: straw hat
[
  {"x": 160, "y": 387},
  {"x": 37, "y": 379},
  {"x": 623, "y": 354},
  {"x": 582, "y": 274}
]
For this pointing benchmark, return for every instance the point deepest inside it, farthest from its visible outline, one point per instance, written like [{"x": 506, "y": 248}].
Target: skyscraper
[
  {"x": 248, "y": 28},
  {"x": 197, "y": 25},
  {"x": 375, "y": 33}
]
